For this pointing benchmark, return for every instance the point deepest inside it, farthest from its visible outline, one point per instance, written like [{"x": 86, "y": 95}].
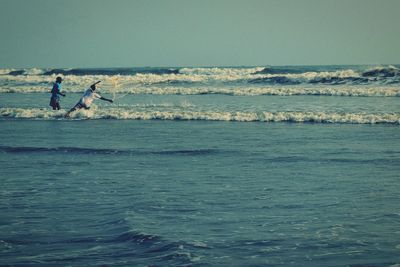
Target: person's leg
[
  {"x": 53, "y": 104},
  {"x": 77, "y": 106},
  {"x": 69, "y": 112}
]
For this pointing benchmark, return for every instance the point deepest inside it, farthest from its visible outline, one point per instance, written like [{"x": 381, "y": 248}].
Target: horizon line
[{"x": 205, "y": 66}]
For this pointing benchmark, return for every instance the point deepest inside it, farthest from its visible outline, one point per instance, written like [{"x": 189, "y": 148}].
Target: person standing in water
[
  {"x": 87, "y": 99},
  {"x": 55, "y": 94}
]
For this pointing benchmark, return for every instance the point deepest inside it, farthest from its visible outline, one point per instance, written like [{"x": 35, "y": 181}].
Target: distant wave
[
  {"x": 380, "y": 75},
  {"x": 220, "y": 71},
  {"x": 261, "y": 116},
  {"x": 379, "y": 71},
  {"x": 390, "y": 71},
  {"x": 89, "y": 71},
  {"x": 296, "y": 69},
  {"x": 33, "y": 71},
  {"x": 114, "y": 71},
  {"x": 333, "y": 80},
  {"x": 183, "y": 76}
]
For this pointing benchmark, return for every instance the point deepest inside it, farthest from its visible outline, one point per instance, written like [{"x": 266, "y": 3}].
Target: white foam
[
  {"x": 325, "y": 74},
  {"x": 34, "y": 71},
  {"x": 32, "y": 113},
  {"x": 359, "y": 91},
  {"x": 390, "y": 67},
  {"x": 220, "y": 71},
  {"x": 138, "y": 114},
  {"x": 6, "y": 71},
  {"x": 208, "y": 78},
  {"x": 186, "y": 75}
]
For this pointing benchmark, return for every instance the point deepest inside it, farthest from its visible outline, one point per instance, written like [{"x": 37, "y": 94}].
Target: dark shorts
[
  {"x": 79, "y": 105},
  {"x": 54, "y": 102}
]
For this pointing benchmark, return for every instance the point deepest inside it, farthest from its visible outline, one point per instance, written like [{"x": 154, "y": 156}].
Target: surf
[
  {"x": 133, "y": 113},
  {"x": 211, "y": 76}
]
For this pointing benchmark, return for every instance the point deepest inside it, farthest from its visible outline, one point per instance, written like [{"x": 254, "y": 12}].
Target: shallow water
[{"x": 168, "y": 193}]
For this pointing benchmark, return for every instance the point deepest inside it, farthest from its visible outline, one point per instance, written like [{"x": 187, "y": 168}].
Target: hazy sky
[{"x": 132, "y": 33}]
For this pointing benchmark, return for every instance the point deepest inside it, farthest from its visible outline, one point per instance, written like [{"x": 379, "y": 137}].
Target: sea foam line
[
  {"x": 207, "y": 75},
  {"x": 262, "y": 116},
  {"x": 386, "y": 91}
]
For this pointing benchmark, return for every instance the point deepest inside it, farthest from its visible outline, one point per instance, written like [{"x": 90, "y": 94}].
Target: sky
[{"x": 162, "y": 33}]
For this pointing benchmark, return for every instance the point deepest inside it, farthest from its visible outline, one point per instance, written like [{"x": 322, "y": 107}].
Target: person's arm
[
  {"x": 106, "y": 99},
  {"x": 97, "y": 96},
  {"x": 59, "y": 92}
]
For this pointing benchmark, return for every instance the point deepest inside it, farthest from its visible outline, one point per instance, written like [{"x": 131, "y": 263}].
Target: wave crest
[
  {"x": 15, "y": 78},
  {"x": 114, "y": 71},
  {"x": 261, "y": 116},
  {"x": 367, "y": 91},
  {"x": 390, "y": 71}
]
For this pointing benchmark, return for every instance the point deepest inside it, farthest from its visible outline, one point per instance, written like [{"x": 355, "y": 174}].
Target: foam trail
[
  {"x": 124, "y": 89},
  {"x": 261, "y": 116}
]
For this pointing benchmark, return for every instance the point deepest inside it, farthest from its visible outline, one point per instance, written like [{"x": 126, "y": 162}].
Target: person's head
[
  {"x": 93, "y": 87},
  {"x": 59, "y": 79}
]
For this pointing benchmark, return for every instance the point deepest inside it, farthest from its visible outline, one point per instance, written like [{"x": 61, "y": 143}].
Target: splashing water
[{"x": 115, "y": 87}]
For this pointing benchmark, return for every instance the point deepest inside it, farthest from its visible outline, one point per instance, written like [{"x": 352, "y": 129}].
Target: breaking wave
[
  {"x": 115, "y": 71},
  {"x": 88, "y": 71},
  {"x": 359, "y": 91},
  {"x": 390, "y": 71},
  {"x": 260, "y": 116},
  {"x": 234, "y": 75}
]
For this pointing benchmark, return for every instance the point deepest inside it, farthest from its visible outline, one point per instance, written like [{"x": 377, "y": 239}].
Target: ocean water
[{"x": 235, "y": 166}]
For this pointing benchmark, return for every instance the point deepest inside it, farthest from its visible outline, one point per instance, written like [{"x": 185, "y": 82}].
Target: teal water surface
[{"x": 198, "y": 193}]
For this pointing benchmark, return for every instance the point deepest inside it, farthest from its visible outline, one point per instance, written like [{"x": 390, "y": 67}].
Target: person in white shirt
[{"x": 87, "y": 99}]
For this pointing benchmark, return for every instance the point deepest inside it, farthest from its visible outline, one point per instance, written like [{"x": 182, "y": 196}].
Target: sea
[{"x": 202, "y": 166}]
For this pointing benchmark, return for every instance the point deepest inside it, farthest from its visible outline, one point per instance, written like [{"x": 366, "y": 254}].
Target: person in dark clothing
[{"x": 55, "y": 94}]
